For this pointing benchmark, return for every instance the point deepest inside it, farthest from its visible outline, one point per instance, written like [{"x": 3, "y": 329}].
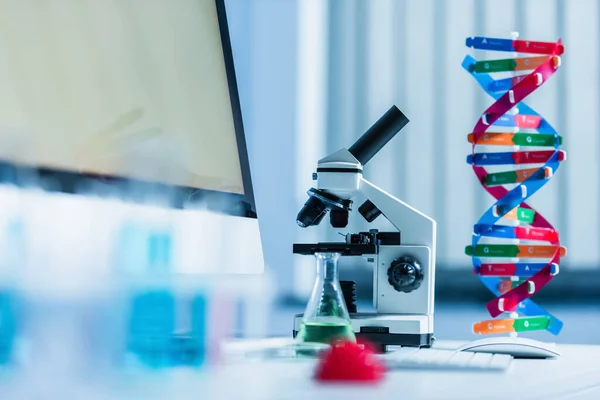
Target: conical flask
[{"x": 326, "y": 317}]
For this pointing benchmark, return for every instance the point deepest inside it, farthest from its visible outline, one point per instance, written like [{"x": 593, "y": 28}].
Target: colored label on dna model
[{"x": 515, "y": 251}]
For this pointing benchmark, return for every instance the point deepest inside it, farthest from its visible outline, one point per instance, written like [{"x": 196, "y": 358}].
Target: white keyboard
[{"x": 438, "y": 359}]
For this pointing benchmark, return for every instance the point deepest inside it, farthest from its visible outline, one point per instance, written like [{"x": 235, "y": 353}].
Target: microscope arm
[{"x": 419, "y": 229}]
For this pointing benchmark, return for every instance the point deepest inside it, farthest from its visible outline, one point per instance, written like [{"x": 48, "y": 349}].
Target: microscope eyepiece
[
  {"x": 378, "y": 135},
  {"x": 321, "y": 201}
]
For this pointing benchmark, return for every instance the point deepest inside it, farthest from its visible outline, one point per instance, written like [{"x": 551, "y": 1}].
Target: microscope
[{"x": 403, "y": 261}]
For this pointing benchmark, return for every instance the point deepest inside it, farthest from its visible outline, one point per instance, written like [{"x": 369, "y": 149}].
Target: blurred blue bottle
[
  {"x": 154, "y": 336},
  {"x": 11, "y": 248},
  {"x": 7, "y": 326}
]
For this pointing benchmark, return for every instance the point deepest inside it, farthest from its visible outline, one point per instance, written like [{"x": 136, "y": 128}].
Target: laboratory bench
[{"x": 574, "y": 375}]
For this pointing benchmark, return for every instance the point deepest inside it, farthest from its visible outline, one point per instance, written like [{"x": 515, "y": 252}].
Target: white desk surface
[{"x": 574, "y": 375}]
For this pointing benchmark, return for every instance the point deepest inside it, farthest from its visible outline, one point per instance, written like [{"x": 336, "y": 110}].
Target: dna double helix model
[{"x": 515, "y": 251}]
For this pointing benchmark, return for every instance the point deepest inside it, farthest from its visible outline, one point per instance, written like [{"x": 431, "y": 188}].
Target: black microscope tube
[{"x": 378, "y": 135}]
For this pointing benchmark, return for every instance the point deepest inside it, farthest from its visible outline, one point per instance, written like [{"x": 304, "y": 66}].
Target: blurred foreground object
[
  {"x": 349, "y": 362},
  {"x": 96, "y": 289}
]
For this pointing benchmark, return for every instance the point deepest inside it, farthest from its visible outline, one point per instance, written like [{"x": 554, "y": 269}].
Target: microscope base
[{"x": 384, "y": 330}]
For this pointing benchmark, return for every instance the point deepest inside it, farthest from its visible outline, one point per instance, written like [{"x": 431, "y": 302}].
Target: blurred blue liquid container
[
  {"x": 7, "y": 325},
  {"x": 155, "y": 336},
  {"x": 11, "y": 242}
]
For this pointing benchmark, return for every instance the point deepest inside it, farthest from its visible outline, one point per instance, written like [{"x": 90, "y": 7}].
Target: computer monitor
[
  {"x": 141, "y": 90},
  {"x": 128, "y": 93}
]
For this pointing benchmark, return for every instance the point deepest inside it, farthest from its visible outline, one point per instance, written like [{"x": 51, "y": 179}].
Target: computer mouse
[{"x": 517, "y": 347}]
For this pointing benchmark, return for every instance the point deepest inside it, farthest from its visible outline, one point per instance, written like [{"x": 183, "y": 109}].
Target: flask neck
[{"x": 327, "y": 266}]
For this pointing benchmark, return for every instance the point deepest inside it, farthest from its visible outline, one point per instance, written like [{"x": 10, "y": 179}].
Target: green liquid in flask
[{"x": 325, "y": 332}]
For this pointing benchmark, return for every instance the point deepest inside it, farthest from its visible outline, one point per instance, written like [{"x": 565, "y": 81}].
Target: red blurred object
[{"x": 350, "y": 362}]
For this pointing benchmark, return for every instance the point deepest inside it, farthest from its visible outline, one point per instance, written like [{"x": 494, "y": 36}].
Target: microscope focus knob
[{"x": 405, "y": 274}]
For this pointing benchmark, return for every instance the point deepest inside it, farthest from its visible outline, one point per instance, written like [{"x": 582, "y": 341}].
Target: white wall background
[{"x": 323, "y": 71}]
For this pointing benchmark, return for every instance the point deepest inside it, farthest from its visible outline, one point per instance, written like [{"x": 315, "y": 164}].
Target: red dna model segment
[{"x": 515, "y": 251}]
